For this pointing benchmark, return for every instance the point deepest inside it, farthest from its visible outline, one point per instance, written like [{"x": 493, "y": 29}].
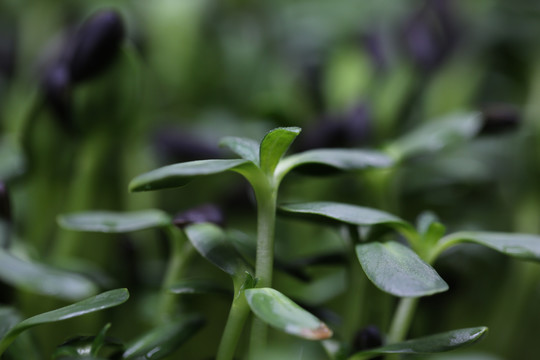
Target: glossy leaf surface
[
  {"x": 99, "y": 302},
  {"x": 322, "y": 161},
  {"x": 396, "y": 269},
  {"x": 114, "y": 222},
  {"x": 82, "y": 347},
  {"x": 521, "y": 246},
  {"x": 211, "y": 242},
  {"x": 436, "y": 135},
  {"x": 177, "y": 175},
  {"x": 274, "y": 145},
  {"x": 344, "y": 213},
  {"x": 43, "y": 279},
  {"x": 279, "y": 311},
  {"x": 245, "y": 148},
  {"x": 446, "y": 341},
  {"x": 164, "y": 339},
  {"x": 198, "y": 286}
]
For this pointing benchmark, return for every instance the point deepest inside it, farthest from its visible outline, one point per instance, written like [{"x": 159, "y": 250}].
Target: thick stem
[
  {"x": 235, "y": 324},
  {"x": 402, "y": 319},
  {"x": 357, "y": 287},
  {"x": 181, "y": 251},
  {"x": 266, "y": 218}
]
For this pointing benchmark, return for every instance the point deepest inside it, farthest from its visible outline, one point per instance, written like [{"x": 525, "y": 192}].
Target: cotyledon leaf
[
  {"x": 322, "y": 161},
  {"x": 274, "y": 145},
  {"x": 211, "y": 242},
  {"x": 245, "y": 148},
  {"x": 177, "y": 175},
  {"x": 164, "y": 339},
  {"x": 521, "y": 246},
  {"x": 279, "y": 311},
  {"x": 44, "y": 279},
  {"x": 114, "y": 222},
  {"x": 96, "y": 303},
  {"x": 344, "y": 213},
  {"x": 437, "y": 343},
  {"x": 397, "y": 270}
]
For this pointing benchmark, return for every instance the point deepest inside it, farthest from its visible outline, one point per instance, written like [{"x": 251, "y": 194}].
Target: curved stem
[
  {"x": 402, "y": 319},
  {"x": 357, "y": 288},
  {"x": 235, "y": 324},
  {"x": 440, "y": 246}
]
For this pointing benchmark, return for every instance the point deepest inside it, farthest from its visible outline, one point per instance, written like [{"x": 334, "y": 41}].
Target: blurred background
[{"x": 174, "y": 76}]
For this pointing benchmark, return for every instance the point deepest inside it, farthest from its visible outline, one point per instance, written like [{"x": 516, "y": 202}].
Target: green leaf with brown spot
[{"x": 279, "y": 311}]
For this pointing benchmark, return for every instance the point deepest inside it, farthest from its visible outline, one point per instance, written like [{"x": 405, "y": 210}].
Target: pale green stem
[
  {"x": 181, "y": 251},
  {"x": 406, "y": 308},
  {"x": 402, "y": 320},
  {"x": 443, "y": 244},
  {"x": 266, "y": 218},
  {"x": 357, "y": 288},
  {"x": 235, "y": 324}
]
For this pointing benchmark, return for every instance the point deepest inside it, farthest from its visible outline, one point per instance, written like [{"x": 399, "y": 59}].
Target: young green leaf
[
  {"x": 425, "y": 220},
  {"x": 396, "y": 269},
  {"x": 99, "y": 302},
  {"x": 323, "y": 161},
  {"x": 521, "y": 246},
  {"x": 344, "y": 213},
  {"x": 99, "y": 340},
  {"x": 87, "y": 347},
  {"x": 177, "y": 175},
  {"x": 436, "y": 135},
  {"x": 211, "y": 242},
  {"x": 279, "y": 311},
  {"x": 198, "y": 286},
  {"x": 44, "y": 279},
  {"x": 245, "y": 148},
  {"x": 274, "y": 145},
  {"x": 114, "y": 222},
  {"x": 430, "y": 228},
  {"x": 164, "y": 339},
  {"x": 447, "y": 341}
]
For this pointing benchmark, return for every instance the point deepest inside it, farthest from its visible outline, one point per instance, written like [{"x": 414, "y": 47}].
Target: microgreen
[
  {"x": 359, "y": 235},
  {"x": 93, "y": 304}
]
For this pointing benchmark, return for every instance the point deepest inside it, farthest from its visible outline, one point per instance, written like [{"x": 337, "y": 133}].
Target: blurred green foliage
[{"x": 349, "y": 73}]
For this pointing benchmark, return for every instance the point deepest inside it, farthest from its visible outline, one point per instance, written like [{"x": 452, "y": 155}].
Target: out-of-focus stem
[{"x": 181, "y": 251}]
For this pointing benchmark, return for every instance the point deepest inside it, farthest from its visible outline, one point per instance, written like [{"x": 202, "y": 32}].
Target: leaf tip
[
  {"x": 322, "y": 332},
  {"x": 136, "y": 186}
]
